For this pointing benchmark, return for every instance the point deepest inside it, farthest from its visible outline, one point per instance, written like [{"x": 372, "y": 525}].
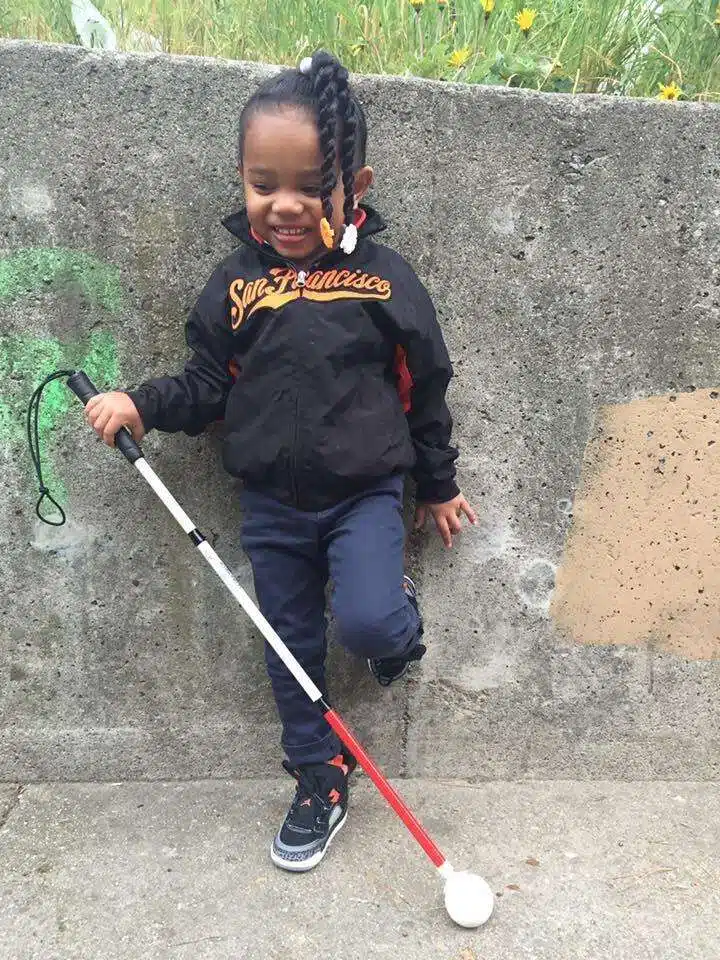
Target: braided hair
[{"x": 321, "y": 87}]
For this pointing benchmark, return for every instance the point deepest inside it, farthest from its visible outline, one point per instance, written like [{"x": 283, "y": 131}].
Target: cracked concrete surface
[{"x": 181, "y": 871}]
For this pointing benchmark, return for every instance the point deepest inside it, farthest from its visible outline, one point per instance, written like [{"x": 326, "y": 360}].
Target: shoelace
[{"x": 302, "y": 813}]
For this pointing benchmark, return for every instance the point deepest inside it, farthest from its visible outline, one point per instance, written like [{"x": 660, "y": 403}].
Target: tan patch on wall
[{"x": 642, "y": 561}]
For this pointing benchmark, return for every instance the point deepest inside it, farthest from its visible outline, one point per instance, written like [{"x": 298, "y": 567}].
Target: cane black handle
[{"x": 83, "y": 388}]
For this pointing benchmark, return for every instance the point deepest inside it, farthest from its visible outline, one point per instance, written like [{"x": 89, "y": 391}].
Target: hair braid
[
  {"x": 325, "y": 87},
  {"x": 347, "y": 153}
]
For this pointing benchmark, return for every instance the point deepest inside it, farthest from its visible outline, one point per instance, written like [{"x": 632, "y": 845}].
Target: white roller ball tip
[
  {"x": 468, "y": 899},
  {"x": 306, "y": 65}
]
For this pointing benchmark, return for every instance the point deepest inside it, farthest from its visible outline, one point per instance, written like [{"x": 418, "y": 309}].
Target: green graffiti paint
[
  {"x": 24, "y": 362},
  {"x": 101, "y": 363},
  {"x": 31, "y": 271}
]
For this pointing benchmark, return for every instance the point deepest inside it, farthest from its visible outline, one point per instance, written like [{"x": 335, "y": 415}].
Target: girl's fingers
[
  {"x": 468, "y": 511},
  {"x": 455, "y": 523},
  {"x": 96, "y": 407},
  {"x": 100, "y": 421},
  {"x": 92, "y": 413},
  {"x": 444, "y": 531},
  {"x": 106, "y": 425},
  {"x": 448, "y": 519},
  {"x": 112, "y": 427}
]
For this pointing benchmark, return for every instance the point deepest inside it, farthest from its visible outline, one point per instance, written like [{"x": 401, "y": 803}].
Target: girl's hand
[
  {"x": 107, "y": 412},
  {"x": 447, "y": 517}
]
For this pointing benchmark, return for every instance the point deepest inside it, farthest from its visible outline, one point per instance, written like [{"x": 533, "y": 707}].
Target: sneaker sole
[{"x": 302, "y": 866}]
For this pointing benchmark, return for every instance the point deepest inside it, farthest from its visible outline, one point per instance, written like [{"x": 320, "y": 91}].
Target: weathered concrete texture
[
  {"x": 9, "y": 798},
  {"x": 572, "y": 247},
  {"x": 601, "y": 871}
]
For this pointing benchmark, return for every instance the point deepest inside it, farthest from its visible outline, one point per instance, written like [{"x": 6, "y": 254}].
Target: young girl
[{"x": 321, "y": 351}]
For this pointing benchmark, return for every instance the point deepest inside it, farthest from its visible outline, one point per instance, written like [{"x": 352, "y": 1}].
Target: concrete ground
[{"x": 180, "y": 871}]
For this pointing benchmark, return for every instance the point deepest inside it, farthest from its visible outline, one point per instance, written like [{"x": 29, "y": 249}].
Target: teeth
[{"x": 290, "y": 231}]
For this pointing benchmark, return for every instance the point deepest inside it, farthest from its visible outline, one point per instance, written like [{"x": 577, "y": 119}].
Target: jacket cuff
[{"x": 434, "y": 491}]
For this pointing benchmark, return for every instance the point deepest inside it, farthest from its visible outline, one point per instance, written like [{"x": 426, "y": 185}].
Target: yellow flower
[
  {"x": 458, "y": 58},
  {"x": 417, "y": 5},
  {"x": 327, "y": 233},
  {"x": 488, "y": 6},
  {"x": 717, "y": 19},
  {"x": 670, "y": 92},
  {"x": 442, "y": 3},
  {"x": 525, "y": 19}
]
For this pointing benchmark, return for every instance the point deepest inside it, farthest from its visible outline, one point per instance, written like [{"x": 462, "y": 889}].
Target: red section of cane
[{"x": 392, "y": 797}]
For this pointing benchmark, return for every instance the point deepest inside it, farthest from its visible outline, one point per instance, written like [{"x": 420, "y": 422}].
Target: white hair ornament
[{"x": 349, "y": 238}]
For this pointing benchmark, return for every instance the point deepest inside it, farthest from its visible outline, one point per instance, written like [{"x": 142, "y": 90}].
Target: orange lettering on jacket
[{"x": 320, "y": 286}]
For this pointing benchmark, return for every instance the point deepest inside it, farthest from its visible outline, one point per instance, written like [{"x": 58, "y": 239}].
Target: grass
[{"x": 628, "y": 47}]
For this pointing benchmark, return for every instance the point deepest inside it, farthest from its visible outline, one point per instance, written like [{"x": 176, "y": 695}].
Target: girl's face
[{"x": 281, "y": 174}]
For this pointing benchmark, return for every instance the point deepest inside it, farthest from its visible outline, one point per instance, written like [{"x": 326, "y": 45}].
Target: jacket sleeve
[
  {"x": 429, "y": 419},
  {"x": 193, "y": 399}
]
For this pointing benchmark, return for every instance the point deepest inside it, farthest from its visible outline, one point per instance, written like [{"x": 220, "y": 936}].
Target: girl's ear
[{"x": 363, "y": 181}]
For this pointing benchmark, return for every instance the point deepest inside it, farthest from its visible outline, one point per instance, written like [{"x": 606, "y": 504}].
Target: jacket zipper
[{"x": 300, "y": 280}]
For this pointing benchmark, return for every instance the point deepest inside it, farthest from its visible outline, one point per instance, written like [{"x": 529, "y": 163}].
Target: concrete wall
[{"x": 572, "y": 247}]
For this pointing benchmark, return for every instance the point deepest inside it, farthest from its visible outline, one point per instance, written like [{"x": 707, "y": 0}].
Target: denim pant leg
[
  {"x": 290, "y": 574},
  {"x": 365, "y": 542}
]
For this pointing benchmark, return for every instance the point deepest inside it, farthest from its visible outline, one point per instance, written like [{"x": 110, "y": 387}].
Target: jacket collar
[{"x": 367, "y": 220}]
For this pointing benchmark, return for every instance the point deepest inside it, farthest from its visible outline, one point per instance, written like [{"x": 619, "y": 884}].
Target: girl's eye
[
  {"x": 261, "y": 188},
  {"x": 311, "y": 191}
]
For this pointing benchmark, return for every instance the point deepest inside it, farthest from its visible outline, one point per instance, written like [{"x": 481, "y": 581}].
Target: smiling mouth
[{"x": 291, "y": 233}]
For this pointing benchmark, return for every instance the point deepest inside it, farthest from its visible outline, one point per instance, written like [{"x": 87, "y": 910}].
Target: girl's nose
[{"x": 287, "y": 203}]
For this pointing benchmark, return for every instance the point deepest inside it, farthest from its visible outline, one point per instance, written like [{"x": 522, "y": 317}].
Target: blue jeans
[{"x": 359, "y": 544}]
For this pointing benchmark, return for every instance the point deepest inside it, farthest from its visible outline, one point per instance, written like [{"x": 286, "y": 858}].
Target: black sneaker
[
  {"x": 317, "y": 813},
  {"x": 387, "y": 670}
]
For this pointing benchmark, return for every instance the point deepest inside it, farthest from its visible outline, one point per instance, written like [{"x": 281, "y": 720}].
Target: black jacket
[{"x": 303, "y": 367}]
